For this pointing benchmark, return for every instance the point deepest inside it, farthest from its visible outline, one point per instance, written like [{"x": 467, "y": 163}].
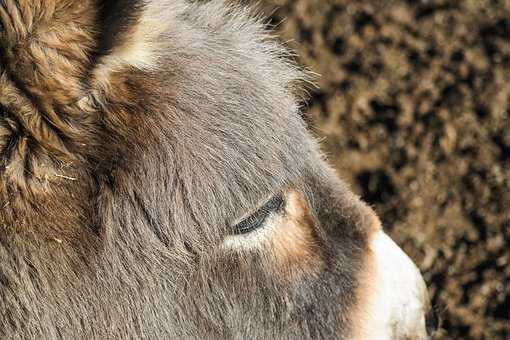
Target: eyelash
[{"x": 257, "y": 219}]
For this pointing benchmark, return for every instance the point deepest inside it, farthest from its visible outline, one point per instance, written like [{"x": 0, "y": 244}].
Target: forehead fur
[{"x": 172, "y": 101}]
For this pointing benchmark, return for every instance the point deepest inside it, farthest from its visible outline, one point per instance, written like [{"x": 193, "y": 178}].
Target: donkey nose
[{"x": 393, "y": 297}]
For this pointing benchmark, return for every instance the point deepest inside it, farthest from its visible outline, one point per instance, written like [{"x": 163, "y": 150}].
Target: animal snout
[{"x": 394, "y": 302}]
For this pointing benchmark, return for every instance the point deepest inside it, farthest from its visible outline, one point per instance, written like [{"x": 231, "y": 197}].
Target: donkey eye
[{"x": 257, "y": 219}]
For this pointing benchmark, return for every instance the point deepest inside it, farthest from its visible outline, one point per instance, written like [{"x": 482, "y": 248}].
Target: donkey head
[{"x": 158, "y": 181}]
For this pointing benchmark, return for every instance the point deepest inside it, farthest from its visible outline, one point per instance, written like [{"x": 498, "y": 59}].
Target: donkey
[{"x": 158, "y": 182}]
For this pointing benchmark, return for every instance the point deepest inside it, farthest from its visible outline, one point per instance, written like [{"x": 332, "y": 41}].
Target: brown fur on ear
[
  {"x": 48, "y": 51},
  {"x": 46, "y": 47}
]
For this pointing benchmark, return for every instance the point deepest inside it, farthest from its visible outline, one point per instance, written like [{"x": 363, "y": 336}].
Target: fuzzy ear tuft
[
  {"x": 49, "y": 47},
  {"x": 55, "y": 56}
]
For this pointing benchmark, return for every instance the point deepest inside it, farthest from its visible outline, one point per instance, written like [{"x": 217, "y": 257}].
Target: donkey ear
[
  {"x": 130, "y": 34},
  {"x": 117, "y": 19}
]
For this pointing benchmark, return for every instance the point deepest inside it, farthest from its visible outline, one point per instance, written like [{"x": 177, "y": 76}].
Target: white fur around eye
[{"x": 256, "y": 238}]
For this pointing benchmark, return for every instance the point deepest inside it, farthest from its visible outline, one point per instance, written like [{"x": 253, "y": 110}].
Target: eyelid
[{"x": 255, "y": 220}]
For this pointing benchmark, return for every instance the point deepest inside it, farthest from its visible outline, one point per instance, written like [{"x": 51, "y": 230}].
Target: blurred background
[{"x": 413, "y": 110}]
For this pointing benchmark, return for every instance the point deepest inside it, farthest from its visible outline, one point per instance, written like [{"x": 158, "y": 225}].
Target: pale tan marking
[
  {"x": 393, "y": 298},
  {"x": 287, "y": 238},
  {"x": 294, "y": 243}
]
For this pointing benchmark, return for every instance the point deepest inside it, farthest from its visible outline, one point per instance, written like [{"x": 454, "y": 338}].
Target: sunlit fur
[{"x": 132, "y": 136}]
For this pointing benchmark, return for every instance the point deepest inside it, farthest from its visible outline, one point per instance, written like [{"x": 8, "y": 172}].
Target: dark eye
[{"x": 257, "y": 219}]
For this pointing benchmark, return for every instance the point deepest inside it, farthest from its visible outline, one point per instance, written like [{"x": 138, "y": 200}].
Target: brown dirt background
[{"x": 413, "y": 109}]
